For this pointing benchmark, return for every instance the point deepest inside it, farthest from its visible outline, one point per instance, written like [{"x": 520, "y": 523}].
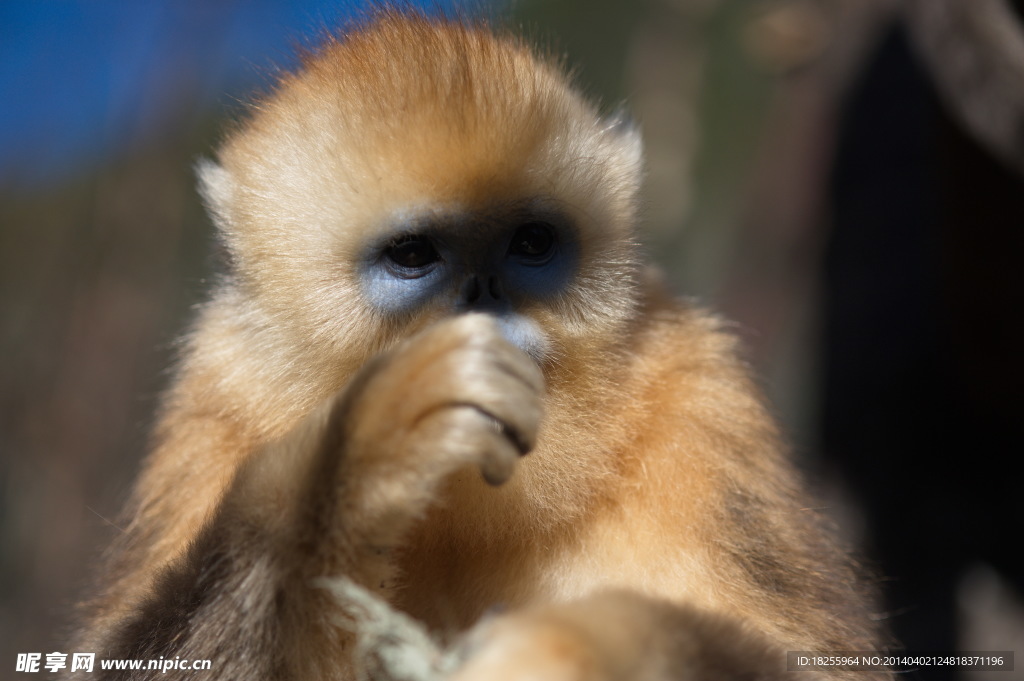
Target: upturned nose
[{"x": 481, "y": 290}]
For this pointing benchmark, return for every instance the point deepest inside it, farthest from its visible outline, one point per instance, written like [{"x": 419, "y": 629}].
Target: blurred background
[{"x": 839, "y": 177}]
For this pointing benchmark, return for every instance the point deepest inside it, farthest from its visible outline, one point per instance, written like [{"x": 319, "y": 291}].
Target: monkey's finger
[
  {"x": 497, "y": 390},
  {"x": 472, "y": 436},
  {"x": 481, "y": 333},
  {"x": 499, "y": 459},
  {"x": 517, "y": 363}
]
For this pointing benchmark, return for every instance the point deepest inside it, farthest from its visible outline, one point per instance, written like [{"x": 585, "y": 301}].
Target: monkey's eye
[
  {"x": 412, "y": 252},
  {"x": 533, "y": 242}
]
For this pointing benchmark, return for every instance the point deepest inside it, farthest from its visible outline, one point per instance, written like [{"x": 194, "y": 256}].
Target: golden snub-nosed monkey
[{"x": 438, "y": 369}]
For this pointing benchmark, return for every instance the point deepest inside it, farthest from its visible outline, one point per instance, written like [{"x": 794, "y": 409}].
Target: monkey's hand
[
  {"x": 453, "y": 396},
  {"x": 331, "y": 498}
]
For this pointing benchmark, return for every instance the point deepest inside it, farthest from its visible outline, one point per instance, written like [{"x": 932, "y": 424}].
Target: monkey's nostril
[{"x": 471, "y": 290}]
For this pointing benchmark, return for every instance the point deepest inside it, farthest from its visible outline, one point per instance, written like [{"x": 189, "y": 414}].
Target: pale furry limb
[{"x": 390, "y": 645}]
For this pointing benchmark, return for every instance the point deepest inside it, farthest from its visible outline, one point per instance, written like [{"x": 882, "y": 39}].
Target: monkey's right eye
[{"x": 412, "y": 252}]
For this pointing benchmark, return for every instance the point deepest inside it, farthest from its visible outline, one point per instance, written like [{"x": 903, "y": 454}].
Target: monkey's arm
[
  {"x": 334, "y": 497},
  {"x": 619, "y": 636}
]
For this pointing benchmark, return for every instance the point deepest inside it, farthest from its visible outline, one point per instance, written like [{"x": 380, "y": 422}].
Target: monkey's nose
[{"x": 478, "y": 291}]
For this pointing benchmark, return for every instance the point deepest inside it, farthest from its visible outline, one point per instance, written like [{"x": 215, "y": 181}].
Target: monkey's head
[{"x": 418, "y": 168}]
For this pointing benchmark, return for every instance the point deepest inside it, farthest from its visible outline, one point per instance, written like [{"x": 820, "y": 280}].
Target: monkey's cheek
[{"x": 525, "y": 334}]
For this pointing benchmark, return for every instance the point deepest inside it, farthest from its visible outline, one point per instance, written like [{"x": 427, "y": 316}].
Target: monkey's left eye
[
  {"x": 412, "y": 252},
  {"x": 533, "y": 242}
]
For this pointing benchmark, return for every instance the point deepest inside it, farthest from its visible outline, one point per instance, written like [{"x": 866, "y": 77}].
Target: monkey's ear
[
  {"x": 625, "y": 133},
  {"x": 216, "y": 186}
]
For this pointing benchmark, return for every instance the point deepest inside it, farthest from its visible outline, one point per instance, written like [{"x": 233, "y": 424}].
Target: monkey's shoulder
[
  {"x": 681, "y": 335},
  {"x": 685, "y": 371}
]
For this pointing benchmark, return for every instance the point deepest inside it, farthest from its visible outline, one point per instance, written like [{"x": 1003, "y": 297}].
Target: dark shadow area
[{"x": 923, "y": 377}]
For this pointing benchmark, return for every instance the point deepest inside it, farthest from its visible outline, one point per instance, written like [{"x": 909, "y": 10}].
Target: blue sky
[{"x": 80, "y": 80}]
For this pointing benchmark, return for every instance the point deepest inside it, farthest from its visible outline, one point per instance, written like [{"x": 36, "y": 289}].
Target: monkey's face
[
  {"x": 364, "y": 201},
  {"x": 512, "y": 261}
]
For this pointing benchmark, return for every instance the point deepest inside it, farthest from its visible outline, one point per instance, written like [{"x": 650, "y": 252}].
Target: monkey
[{"x": 437, "y": 364}]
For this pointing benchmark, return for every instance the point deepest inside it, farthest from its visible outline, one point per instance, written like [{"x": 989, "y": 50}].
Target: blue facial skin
[{"x": 470, "y": 262}]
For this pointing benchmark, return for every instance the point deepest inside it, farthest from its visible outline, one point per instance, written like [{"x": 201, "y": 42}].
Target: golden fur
[{"x": 655, "y": 530}]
